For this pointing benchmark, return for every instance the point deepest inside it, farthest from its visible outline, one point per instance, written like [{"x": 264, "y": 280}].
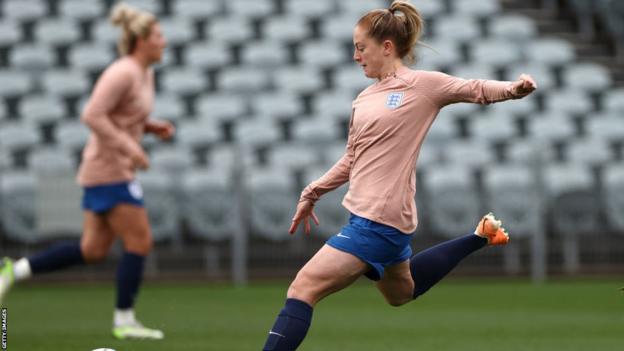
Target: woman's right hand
[
  {"x": 139, "y": 159},
  {"x": 305, "y": 211}
]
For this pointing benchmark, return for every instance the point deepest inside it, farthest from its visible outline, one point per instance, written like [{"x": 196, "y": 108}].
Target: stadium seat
[
  {"x": 607, "y": 126},
  {"x": 316, "y": 131},
  {"x": 458, "y": 27},
  {"x": 333, "y": 104},
  {"x": 516, "y": 28},
  {"x": 351, "y": 80},
  {"x": 81, "y": 10},
  {"x": 66, "y": 83},
  {"x": 221, "y": 106},
  {"x": 168, "y": 107},
  {"x": 474, "y": 71},
  {"x": 550, "y": 51},
  {"x": 41, "y": 109},
  {"x": 177, "y": 31},
  {"x": 256, "y": 133},
  {"x": 233, "y": 29},
  {"x": 499, "y": 53},
  {"x": 551, "y": 127},
  {"x": 272, "y": 201},
  {"x": 57, "y": 32},
  {"x": 17, "y": 191},
  {"x": 10, "y": 33},
  {"x": 293, "y": 157},
  {"x": 472, "y": 154},
  {"x": 430, "y": 9},
  {"x": 31, "y": 57},
  {"x": 452, "y": 200},
  {"x": 589, "y": 77},
  {"x": 333, "y": 153},
  {"x": 493, "y": 127},
  {"x": 242, "y": 80},
  {"x": 298, "y": 80},
  {"x": 5, "y": 161},
  {"x": 161, "y": 203},
  {"x": 16, "y": 136},
  {"x": 546, "y": 80},
  {"x": 265, "y": 54},
  {"x": 104, "y": 32},
  {"x": 590, "y": 151},
  {"x": 24, "y": 10},
  {"x": 208, "y": 55},
  {"x": 71, "y": 135},
  {"x": 438, "y": 54},
  {"x": 173, "y": 161},
  {"x": 360, "y": 7},
  {"x": 286, "y": 29},
  {"x": 196, "y": 9},
  {"x": 250, "y": 9},
  {"x": 197, "y": 134},
  {"x": 209, "y": 207},
  {"x": 574, "y": 207},
  {"x": 485, "y": 9},
  {"x": 613, "y": 191},
  {"x": 614, "y": 101},
  {"x": 329, "y": 210},
  {"x": 184, "y": 81},
  {"x": 279, "y": 104},
  {"x": 443, "y": 130},
  {"x": 339, "y": 27},
  {"x": 153, "y": 6},
  {"x": 513, "y": 108},
  {"x": 21, "y": 83},
  {"x": 91, "y": 56},
  {"x": 572, "y": 102},
  {"x": 323, "y": 54},
  {"x": 312, "y": 9}
]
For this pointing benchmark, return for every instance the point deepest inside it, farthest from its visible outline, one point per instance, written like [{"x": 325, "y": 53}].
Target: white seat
[
  {"x": 209, "y": 206},
  {"x": 550, "y": 51},
  {"x": 298, "y": 80},
  {"x": 152, "y": 6},
  {"x": 104, "y": 32},
  {"x": 5, "y": 161},
  {"x": 10, "y": 32},
  {"x": 517, "y": 28},
  {"x": 458, "y": 27},
  {"x": 66, "y": 82},
  {"x": 587, "y": 76},
  {"x": 265, "y": 54},
  {"x": 280, "y": 104},
  {"x": 168, "y": 107},
  {"x": 208, "y": 55},
  {"x": 306, "y": 8},
  {"x": 569, "y": 101},
  {"x": 177, "y": 31},
  {"x": 23, "y": 10},
  {"x": 551, "y": 127},
  {"x": 475, "y": 71},
  {"x": 613, "y": 190},
  {"x": 500, "y": 53},
  {"x": 333, "y": 104},
  {"x": 608, "y": 126},
  {"x": 15, "y": 82},
  {"x": 230, "y": 29},
  {"x": 18, "y": 205},
  {"x": 443, "y": 130},
  {"x": 250, "y": 8},
  {"x": 316, "y": 130},
  {"x": 57, "y": 31},
  {"x": 485, "y": 9},
  {"x": 324, "y": 53},
  {"x": 184, "y": 81},
  {"x": 360, "y": 7},
  {"x": 272, "y": 201},
  {"x": 339, "y": 27},
  {"x": 173, "y": 161},
  {"x": 81, "y": 10},
  {"x": 332, "y": 215},
  {"x": 256, "y": 132},
  {"x": 71, "y": 135},
  {"x": 197, "y": 134},
  {"x": 351, "y": 80},
  {"x": 614, "y": 100},
  {"x": 41, "y": 109},
  {"x": 286, "y": 29},
  {"x": 221, "y": 106},
  {"x": 29, "y": 56},
  {"x": 50, "y": 160},
  {"x": 91, "y": 56},
  {"x": 438, "y": 54},
  {"x": 243, "y": 80},
  {"x": 292, "y": 156},
  {"x": 334, "y": 152},
  {"x": 493, "y": 127},
  {"x": 161, "y": 204},
  {"x": 430, "y": 8},
  {"x": 520, "y": 107},
  {"x": 196, "y": 9},
  {"x": 589, "y": 151},
  {"x": 470, "y": 154}
]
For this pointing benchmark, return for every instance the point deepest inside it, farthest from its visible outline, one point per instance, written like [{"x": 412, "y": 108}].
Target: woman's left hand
[
  {"x": 524, "y": 86},
  {"x": 162, "y": 129}
]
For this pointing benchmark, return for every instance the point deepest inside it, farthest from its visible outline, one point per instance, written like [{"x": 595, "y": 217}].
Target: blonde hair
[
  {"x": 134, "y": 23},
  {"x": 401, "y": 23}
]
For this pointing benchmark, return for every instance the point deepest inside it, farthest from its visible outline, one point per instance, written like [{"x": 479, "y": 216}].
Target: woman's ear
[{"x": 388, "y": 47}]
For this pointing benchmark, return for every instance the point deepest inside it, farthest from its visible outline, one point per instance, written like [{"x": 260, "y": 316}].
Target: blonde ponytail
[{"x": 134, "y": 23}]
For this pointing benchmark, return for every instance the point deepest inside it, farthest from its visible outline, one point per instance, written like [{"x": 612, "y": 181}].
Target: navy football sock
[
  {"x": 291, "y": 326},
  {"x": 129, "y": 277},
  {"x": 57, "y": 257},
  {"x": 430, "y": 266}
]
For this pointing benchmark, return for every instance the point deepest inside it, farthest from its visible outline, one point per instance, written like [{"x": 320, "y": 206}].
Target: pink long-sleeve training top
[
  {"x": 116, "y": 113},
  {"x": 389, "y": 121}
]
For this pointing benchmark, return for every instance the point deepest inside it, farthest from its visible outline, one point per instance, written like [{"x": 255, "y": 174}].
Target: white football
[{"x": 103, "y": 349}]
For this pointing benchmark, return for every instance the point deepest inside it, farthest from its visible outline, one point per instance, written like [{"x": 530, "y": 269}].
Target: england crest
[{"x": 394, "y": 100}]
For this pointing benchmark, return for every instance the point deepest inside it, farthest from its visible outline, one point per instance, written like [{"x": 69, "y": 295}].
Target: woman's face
[
  {"x": 154, "y": 45},
  {"x": 369, "y": 54}
]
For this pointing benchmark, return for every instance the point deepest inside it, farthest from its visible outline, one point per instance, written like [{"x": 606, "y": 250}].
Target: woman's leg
[
  {"x": 330, "y": 270},
  {"x": 130, "y": 222}
]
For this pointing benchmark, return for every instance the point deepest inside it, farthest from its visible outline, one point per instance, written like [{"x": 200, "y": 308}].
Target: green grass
[{"x": 456, "y": 315}]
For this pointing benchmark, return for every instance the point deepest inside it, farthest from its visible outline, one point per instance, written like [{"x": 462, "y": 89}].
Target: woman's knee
[
  {"x": 94, "y": 254},
  {"x": 304, "y": 288},
  {"x": 141, "y": 246},
  {"x": 397, "y": 301}
]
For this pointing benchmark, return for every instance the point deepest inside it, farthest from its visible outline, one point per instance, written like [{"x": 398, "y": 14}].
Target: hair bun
[{"x": 122, "y": 14}]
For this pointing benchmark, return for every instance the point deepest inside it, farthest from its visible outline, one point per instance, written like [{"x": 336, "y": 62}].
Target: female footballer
[
  {"x": 389, "y": 121},
  {"x": 117, "y": 115}
]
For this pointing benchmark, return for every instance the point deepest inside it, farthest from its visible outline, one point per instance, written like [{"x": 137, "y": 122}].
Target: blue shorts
[
  {"x": 101, "y": 198},
  {"x": 377, "y": 244}
]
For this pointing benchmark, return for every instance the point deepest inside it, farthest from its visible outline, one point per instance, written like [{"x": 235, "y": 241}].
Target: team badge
[{"x": 394, "y": 100}]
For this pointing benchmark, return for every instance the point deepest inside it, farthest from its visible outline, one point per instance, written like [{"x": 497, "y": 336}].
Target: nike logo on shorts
[{"x": 340, "y": 235}]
